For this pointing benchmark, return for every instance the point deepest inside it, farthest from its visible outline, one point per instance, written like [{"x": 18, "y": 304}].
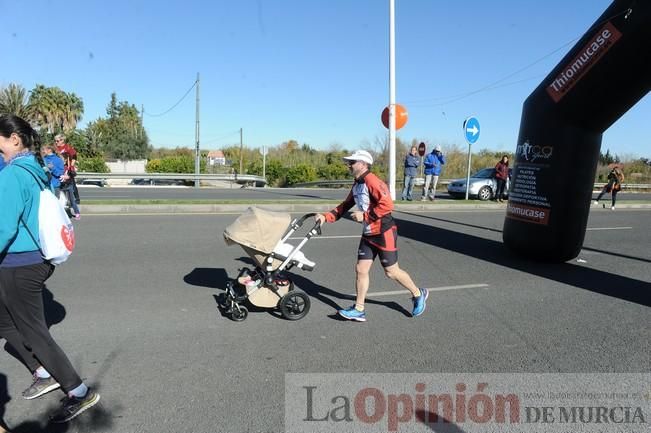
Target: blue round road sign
[{"x": 471, "y": 130}]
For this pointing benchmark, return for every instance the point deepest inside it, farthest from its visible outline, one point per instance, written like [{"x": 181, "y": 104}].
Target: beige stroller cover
[{"x": 258, "y": 231}]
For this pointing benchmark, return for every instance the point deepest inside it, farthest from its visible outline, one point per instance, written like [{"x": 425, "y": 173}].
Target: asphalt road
[
  {"x": 252, "y": 194},
  {"x": 135, "y": 310}
]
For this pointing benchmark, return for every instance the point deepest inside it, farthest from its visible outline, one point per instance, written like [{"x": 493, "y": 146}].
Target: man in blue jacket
[
  {"x": 433, "y": 163},
  {"x": 54, "y": 164},
  {"x": 412, "y": 161}
]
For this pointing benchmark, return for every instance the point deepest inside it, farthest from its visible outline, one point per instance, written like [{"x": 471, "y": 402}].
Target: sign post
[
  {"x": 471, "y": 134},
  {"x": 421, "y": 151}
]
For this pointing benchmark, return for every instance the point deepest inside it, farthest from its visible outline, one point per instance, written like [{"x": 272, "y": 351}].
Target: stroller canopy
[{"x": 258, "y": 229}]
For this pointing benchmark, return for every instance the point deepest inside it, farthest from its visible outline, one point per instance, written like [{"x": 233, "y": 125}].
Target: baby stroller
[{"x": 263, "y": 235}]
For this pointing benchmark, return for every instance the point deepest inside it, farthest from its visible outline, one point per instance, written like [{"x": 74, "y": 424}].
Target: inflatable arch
[{"x": 604, "y": 74}]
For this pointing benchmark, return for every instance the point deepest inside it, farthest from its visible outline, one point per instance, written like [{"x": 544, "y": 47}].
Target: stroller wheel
[
  {"x": 239, "y": 313},
  {"x": 222, "y": 300},
  {"x": 294, "y": 305}
]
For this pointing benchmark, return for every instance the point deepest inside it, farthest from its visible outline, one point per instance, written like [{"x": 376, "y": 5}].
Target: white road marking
[
  {"x": 329, "y": 237},
  {"x": 431, "y": 289},
  {"x": 101, "y": 197},
  {"x": 609, "y": 228}
]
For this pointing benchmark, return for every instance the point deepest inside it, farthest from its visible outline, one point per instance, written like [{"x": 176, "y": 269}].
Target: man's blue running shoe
[
  {"x": 353, "y": 314},
  {"x": 420, "y": 302}
]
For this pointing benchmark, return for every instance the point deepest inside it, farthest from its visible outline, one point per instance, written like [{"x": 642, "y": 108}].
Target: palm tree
[
  {"x": 13, "y": 100},
  {"x": 73, "y": 109},
  {"x": 56, "y": 110}
]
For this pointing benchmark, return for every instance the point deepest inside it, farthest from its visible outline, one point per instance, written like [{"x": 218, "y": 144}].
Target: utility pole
[
  {"x": 142, "y": 119},
  {"x": 197, "y": 155},
  {"x": 241, "y": 146},
  {"x": 264, "y": 161}
]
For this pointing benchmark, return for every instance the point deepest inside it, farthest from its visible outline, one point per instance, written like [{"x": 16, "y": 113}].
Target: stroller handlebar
[{"x": 301, "y": 220}]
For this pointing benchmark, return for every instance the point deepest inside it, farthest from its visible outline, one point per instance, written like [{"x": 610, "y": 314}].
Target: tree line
[
  {"x": 51, "y": 111},
  {"x": 121, "y": 135}
]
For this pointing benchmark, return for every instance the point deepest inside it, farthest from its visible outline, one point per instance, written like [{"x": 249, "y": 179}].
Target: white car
[{"x": 483, "y": 185}]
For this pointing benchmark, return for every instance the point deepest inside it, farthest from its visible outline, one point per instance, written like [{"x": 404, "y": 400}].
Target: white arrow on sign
[{"x": 474, "y": 130}]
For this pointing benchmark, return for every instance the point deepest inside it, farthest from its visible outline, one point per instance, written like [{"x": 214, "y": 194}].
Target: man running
[{"x": 372, "y": 207}]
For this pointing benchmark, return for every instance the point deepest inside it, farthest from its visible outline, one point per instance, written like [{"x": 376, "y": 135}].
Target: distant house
[{"x": 216, "y": 157}]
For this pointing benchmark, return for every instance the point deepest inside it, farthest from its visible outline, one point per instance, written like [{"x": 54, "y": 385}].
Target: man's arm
[{"x": 340, "y": 210}]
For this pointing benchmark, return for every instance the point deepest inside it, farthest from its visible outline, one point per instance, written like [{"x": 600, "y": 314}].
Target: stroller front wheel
[
  {"x": 294, "y": 305},
  {"x": 239, "y": 313}
]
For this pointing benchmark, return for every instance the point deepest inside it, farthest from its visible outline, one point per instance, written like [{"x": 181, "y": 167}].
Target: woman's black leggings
[
  {"x": 22, "y": 322},
  {"x": 501, "y": 183},
  {"x": 610, "y": 186}
]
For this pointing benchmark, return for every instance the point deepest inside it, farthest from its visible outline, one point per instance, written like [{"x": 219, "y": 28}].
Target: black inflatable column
[{"x": 605, "y": 74}]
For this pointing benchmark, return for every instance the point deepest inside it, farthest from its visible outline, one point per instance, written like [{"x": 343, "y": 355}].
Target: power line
[
  {"x": 222, "y": 137},
  {"x": 466, "y": 95},
  {"x": 453, "y": 98},
  {"x": 175, "y": 105}
]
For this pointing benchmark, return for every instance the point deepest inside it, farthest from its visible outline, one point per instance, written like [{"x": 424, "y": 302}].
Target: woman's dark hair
[
  {"x": 12, "y": 124},
  {"x": 507, "y": 159}
]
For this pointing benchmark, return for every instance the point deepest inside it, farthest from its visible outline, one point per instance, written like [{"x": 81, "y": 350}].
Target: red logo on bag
[{"x": 68, "y": 237}]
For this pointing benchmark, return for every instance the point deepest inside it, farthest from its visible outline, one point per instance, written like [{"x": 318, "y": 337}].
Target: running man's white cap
[{"x": 360, "y": 155}]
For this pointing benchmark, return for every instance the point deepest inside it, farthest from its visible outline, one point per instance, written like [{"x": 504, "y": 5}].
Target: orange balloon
[{"x": 401, "y": 116}]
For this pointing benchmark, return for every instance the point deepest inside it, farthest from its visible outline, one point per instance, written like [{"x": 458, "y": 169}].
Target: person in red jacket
[
  {"x": 501, "y": 175},
  {"x": 372, "y": 206}
]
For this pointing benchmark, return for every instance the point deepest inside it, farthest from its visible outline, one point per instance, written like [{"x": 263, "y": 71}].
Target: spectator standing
[
  {"x": 71, "y": 152},
  {"x": 614, "y": 185},
  {"x": 55, "y": 166},
  {"x": 372, "y": 204},
  {"x": 412, "y": 162},
  {"x": 433, "y": 164},
  {"x": 501, "y": 176},
  {"x": 68, "y": 184},
  {"x": 23, "y": 271}
]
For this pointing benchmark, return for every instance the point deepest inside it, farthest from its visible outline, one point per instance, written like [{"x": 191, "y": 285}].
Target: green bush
[
  {"x": 300, "y": 173},
  {"x": 92, "y": 165},
  {"x": 174, "y": 164},
  {"x": 334, "y": 171}
]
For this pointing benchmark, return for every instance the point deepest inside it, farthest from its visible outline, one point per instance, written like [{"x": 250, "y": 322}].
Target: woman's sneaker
[
  {"x": 353, "y": 313},
  {"x": 40, "y": 386},
  {"x": 73, "y": 406}
]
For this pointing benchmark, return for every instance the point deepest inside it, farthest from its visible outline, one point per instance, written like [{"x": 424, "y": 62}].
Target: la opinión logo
[{"x": 373, "y": 405}]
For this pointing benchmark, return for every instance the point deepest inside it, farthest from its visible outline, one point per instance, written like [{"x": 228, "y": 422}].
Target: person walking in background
[
  {"x": 372, "y": 204},
  {"x": 23, "y": 271},
  {"x": 614, "y": 185},
  {"x": 501, "y": 176},
  {"x": 433, "y": 164},
  {"x": 71, "y": 152},
  {"x": 412, "y": 161},
  {"x": 55, "y": 166},
  {"x": 68, "y": 184}
]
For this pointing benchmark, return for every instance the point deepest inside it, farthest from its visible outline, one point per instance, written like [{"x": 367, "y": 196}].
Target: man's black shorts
[{"x": 384, "y": 245}]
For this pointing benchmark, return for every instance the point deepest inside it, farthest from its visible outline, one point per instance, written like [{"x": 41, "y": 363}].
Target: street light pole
[
  {"x": 392, "y": 100},
  {"x": 197, "y": 155}
]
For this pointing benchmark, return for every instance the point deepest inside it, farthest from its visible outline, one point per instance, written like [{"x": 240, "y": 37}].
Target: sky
[{"x": 314, "y": 71}]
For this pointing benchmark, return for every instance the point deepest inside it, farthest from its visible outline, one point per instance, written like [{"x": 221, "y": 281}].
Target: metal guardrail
[
  {"x": 247, "y": 179},
  {"x": 348, "y": 182},
  {"x": 242, "y": 179}
]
